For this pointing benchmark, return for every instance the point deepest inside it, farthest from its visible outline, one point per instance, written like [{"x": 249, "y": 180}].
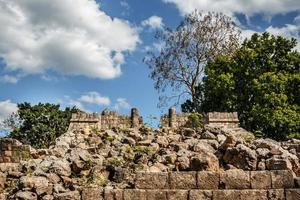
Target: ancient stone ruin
[{"x": 115, "y": 157}]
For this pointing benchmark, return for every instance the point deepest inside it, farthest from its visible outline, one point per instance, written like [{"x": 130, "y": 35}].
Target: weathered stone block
[
  {"x": 235, "y": 179},
  {"x": 151, "y": 180},
  {"x": 260, "y": 179},
  {"x": 240, "y": 195},
  {"x": 113, "y": 194},
  {"x": 282, "y": 179},
  {"x": 200, "y": 195},
  {"x": 156, "y": 195},
  {"x": 177, "y": 194},
  {"x": 208, "y": 180},
  {"x": 183, "y": 180},
  {"x": 73, "y": 195},
  {"x": 276, "y": 194},
  {"x": 92, "y": 194},
  {"x": 292, "y": 194},
  {"x": 134, "y": 194}
]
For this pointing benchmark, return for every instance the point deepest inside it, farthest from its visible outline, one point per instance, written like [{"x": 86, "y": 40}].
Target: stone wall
[
  {"x": 204, "y": 185},
  {"x": 106, "y": 120},
  {"x": 13, "y": 151},
  {"x": 222, "y": 119}
]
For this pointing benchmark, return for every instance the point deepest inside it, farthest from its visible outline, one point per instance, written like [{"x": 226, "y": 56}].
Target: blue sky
[{"x": 90, "y": 53}]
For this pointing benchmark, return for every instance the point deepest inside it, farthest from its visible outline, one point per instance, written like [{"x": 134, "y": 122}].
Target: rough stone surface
[
  {"x": 240, "y": 195},
  {"x": 92, "y": 193},
  {"x": 135, "y": 195},
  {"x": 276, "y": 194},
  {"x": 208, "y": 180},
  {"x": 235, "y": 179},
  {"x": 292, "y": 194},
  {"x": 200, "y": 194},
  {"x": 183, "y": 180},
  {"x": 152, "y": 180},
  {"x": 177, "y": 194},
  {"x": 260, "y": 179},
  {"x": 282, "y": 179}
]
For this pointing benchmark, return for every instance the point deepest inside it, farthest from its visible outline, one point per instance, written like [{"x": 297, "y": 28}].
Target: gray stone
[
  {"x": 276, "y": 194},
  {"x": 73, "y": 195},
  {"x": 92, "y": 194},
  {"x": 39, "y": 184}
]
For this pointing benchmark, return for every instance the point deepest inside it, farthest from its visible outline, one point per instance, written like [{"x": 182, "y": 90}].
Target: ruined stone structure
[
  {"x": 12, "y": 151},
  {"x": 106, "y": 120},
  {"x": 204, "y": 185},
  {"x": 220, "y": 161},
  {"x": 221, "y": 119}
]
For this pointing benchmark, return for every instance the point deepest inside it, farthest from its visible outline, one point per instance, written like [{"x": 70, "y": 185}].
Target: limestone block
[
  {"x": 92, "y": 193},
  {"x": 235, "y": 179},
  {"x": 116, "y": 194},
  {"x": 276, "y": 194},
  {"x": 260, "y": 179},
  {"x": 73, "y": 195},
  {"x": 177, "y": 194},
  {"x": 183, "y": 180},
  {"x": 208, "y": 180},
  {"x": 282, "y": 179},
  {"x": 240, "y": 195},
  {"x": 292, "y": 194},
  {"x": 135, "y": 194},
  {"x": 200, "y": 195},
  {"x": 153, "y": 180},
  {"x": 156, "y": 195}
]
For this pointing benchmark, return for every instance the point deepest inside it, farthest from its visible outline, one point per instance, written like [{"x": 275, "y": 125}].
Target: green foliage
[
  {"x": 41, "y": 124},
  {"x": 194, "y": 120},
  {"x": 261, "y": 81}
]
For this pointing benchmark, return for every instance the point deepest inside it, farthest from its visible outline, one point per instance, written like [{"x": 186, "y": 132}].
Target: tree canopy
[
  {"x": 261, "y": 81},
  {"x": 39, "y": 125},
  {"x": 187, "y": 49}
]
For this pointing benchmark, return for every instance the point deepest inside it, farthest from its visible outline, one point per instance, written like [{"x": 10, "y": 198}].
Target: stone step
[
  {"x": 140, "y": 194},
  {"x": 230, "y": 179}
]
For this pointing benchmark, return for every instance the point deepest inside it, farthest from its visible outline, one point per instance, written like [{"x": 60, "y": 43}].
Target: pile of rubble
[{"x": 111, "y": 158}]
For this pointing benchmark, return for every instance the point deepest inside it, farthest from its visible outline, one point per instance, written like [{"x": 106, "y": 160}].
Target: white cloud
[
  {"x": 125, "y": 5},
  {"x": 94, "y": 98},
  {"x": 121, "y": 104},
  {"x": 72, "y": 37},
  {"x": 154, "y": 22},
  {"x": 6, "y": 109},
  {"x": 249, "y": 7},
  {"x": 289, "y": 31},
  {"x": 9, "y": 79}
]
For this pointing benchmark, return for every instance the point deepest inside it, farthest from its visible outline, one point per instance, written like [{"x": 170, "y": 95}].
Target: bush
[
  {"x": 41, "y": 124},
  {"x": 195, "y": 120}
]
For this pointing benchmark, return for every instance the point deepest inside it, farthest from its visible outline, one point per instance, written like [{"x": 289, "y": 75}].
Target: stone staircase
[{"x": 204, "y": 185}]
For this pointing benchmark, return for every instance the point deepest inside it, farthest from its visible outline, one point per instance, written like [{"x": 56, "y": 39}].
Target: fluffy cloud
[
  {"x": 121, "y": 104},
  {"x": 9, "y": 79},
  {"x": 6, "y": 108},
  {"x": 154, "y": 22},
  {"x": 94, "y": 98},
  {"x": 249, "y": 7},
  {"x": 289, "y": 31},
  {"x": 71, "y": 37}
]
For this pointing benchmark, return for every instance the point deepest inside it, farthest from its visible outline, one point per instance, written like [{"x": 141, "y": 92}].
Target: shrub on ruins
[
  {"x": 186, "y": 50},
  {"x": 261, "y": 81},
  {"x": 195, "y": 120},
  {"x": 39, "y": 125}
]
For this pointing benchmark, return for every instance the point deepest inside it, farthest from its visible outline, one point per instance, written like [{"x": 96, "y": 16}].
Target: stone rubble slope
[{"x": 111, "y": 159}]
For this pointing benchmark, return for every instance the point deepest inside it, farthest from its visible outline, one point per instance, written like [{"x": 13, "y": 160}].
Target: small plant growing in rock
[
  {"x": 142, "y": 149},
  {"x": 194, "y": 120}
]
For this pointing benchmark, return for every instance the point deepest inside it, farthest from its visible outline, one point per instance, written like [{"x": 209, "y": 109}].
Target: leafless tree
[{"x": 186, "y": 50}]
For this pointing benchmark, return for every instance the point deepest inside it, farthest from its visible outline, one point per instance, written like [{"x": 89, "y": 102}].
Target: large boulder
[
  {"x": 61, "y": 167},
  {"x": 204, "y": 161},
  {"x": 242, "y": 157},
  {"x": 25, "y": 195},
  {"x": 39, "y": 184}
]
